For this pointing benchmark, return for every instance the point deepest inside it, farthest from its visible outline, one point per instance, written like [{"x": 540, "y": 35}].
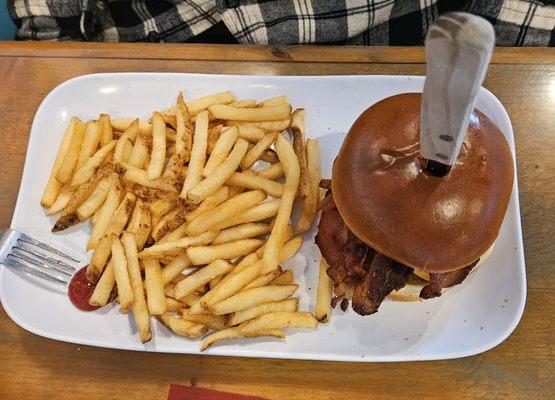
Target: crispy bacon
[{"x": 438, "y": 281}]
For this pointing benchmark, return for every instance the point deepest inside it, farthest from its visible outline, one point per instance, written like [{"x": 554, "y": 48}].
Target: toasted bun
[
  {"x": 411, "y": 291},
  {"x": 428, "y": 223}
]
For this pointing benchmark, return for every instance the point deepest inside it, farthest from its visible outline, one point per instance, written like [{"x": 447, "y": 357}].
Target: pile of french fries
[{"x": 191, "y": 214}]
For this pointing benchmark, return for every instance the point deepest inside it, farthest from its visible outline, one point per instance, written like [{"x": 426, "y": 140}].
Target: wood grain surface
[{"x": 522, "y": 367}]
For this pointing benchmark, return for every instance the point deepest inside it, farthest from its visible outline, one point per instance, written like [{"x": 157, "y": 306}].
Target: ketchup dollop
[{"x": 80, "y": 290}]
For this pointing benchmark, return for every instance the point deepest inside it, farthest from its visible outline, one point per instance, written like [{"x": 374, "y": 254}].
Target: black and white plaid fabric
[{"x": 361, "y": 22}]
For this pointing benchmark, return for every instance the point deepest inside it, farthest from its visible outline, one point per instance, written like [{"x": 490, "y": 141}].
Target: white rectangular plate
[{"x": 472, "y": 318}]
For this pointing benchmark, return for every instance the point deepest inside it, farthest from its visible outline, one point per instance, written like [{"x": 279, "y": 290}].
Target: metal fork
[{"x": 23, "y": 253}]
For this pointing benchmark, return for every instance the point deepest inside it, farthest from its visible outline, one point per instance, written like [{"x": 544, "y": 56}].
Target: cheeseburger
[{"x": 390, "y": 228}]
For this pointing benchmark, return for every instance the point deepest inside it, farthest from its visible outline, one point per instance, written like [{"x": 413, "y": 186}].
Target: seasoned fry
[
  {"x": 128, "y": 136},
  {"x": 89, "y": 167},
  {"x": 183, "y": 140},
  {"x": 269, "y": 156},
  {"x": 121, "y": 215},
  {"x": 286, "y": 278},
  {"x": 256, "y": 151},
  {"x": 174, "y": 235},
  {"x": 155, "y": 296},
  {"x": 90, "y": 143},
  {"x": 243, "y": 103},
  {"x": 65, "y": 170},
  {"x": 256, "y": 213},
  {"x": 274, "y": 101},
  {"x": 251, "y": 180},
  {"x": 53, "y": 186},
  {"x": 211, "y": 202},
  {"x": 96, "y": 199},
  {"x": 244, "y": 231},
  {"x": 110, "y": 205},
  {"x": 182, "y": 327},
  {"x": 224, "y": 211},
  {"x": 158, "y": 154},
  {"x": 99, "y": 258},
  {"x": 104, "y": 287},
  {"x": 66, "y": 222},
  {"x": 160, "y": 207},
  {"x": 213, "y": 136},
  {"x": 200, "y": 278},
  {"x": 176, "y": 267},
  {"x": 140, "y": 310},
  {"x": 274, "y": 171},
  {"x": 221, "y": 150},
  {"x": 253, "y": 297},
  {"x": 172, "y": 305},
  {"x": 221, "y": 174},
  {"x": 235, "y": 333},
  {"x": 309, "y": 178},
  {"x": 140, "y": 177},
  {"x": 205, "y": 254},
  {"x": 291, "y": 167},
  {"x": 251, "y": 133},
  {"x": 289, "y": 305},
  {"x": 170, "y": 197},
  {"x": 121, "y": 275},
  {"x": 198, "y": 155},
  {"x": 322, "y": 310},
  {"x": 64, "y": 196},
  {"x": 169, "y": 222},
  {"x": 106, "y": 131},
  {"x": 139, "y": 154},
  {"x": 275, "y": 113},
  {"x": 178, "y": 246},
  {"x": 268, "y": 126}
]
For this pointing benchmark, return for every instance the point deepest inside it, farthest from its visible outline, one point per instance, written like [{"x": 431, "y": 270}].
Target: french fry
[
  {"x": 211, "y": 202},
  {"x": 210, "y": 321},
  {"x": 121, "y": 215},
  {"x": 183, "y": 140},
  {"x": 249, "y": 259},
  {"x": 221, "y": 150},
  {"x": 62, "y": 200},
  {"x": 221, "y": 174},
  {"x": 313, "y": 161},
  {"x": 174, "y": 235},
  {"x": 53, "y": 187},
  {"x": 243, "y": 103},
  {"x": 172, "y": 305},
  {"x": 158, "y": 154},
  {"x": 140, "y": 310},
  {"x": 121, "y": 124},
  {"x": 213, "y": 136},
  {"x": 176, "y": 267},
  {"x": 182, "y": 327},
  {"x": 200, "y": 278},
  {"x": 96, "y": 199},
  {"x": 251, "y": 133},
  {"x": 269, "y": 156},
  {"x": 232, "y": 284},
  {"x": 156, "y": 299},
  {"x": 106, "y": 131},
  {"x": 235, "y": 333},
  {"x": 244, "y": 231},
  {"x": 170, "y": 197},
  {"x": 263, "y": 280},
  {"x": 65, "y": 170},
  {"x": 178, "y": 246},
  {"x": 90, "y": 143},
  {"x": 191, "y": 299},
  {"x": 169, "y": 222},
  {"x": 286, "y": 278},
  {"x": 290, "y": 165},
  {"x": 253, "y": 297},
  {"x": 200, "y": 104},
  {"x": 256, "y": 213},
  {"x": 99, "y": 258},
  {"x": 128, "y": 136},
  {"x": 160, "y": 207},
  {"x": 121, "y": 274},
  {"x": 258, "y": 149},
  {"x": 322, "y": 310},
  {"x": 127, "y": 150},
  {"x": 274, "y": 101},
  {"x": 268, "y": 126},
  {"x": 212, "y": 284},
  {"x": 251, "y": 180},
  {"x": 139, "y": 154},
  {"x": 206, "y": 254},
  {"x": 88, "y": 169},
  {"x": 140, "y": 177},
  {"x": 224, "y": 211},
  {"x": 274, "y": 171},
  {"x": 143, "y": 231},
  {"x": 226, "y": 112},
  {"x": 198, "y": 155},
  {"x": 103, "y": 288},
  {"x": 289, "y": 305},
  {"x": 65, "y": 222}
]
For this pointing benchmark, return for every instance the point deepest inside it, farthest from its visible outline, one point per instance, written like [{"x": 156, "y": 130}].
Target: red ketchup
[{"x": 80, "y": 290}]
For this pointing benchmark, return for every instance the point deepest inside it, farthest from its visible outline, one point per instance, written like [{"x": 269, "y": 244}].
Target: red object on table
[{"x": 178, "y": 392}]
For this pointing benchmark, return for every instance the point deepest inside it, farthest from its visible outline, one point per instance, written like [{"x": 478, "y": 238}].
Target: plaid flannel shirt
[{"x": 362, "y": 22}]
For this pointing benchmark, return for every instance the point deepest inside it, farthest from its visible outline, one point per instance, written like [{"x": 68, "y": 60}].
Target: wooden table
[{"x": 521, "y": 367}]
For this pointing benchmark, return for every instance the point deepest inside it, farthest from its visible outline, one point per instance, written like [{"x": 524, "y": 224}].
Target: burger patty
[{"x": 370, "y": 275}]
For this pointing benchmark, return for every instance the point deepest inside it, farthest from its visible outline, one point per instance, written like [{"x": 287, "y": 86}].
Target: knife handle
[{"x": 458, "y": 50}]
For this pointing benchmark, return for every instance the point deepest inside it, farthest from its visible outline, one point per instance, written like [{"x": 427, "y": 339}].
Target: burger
[{"x": 389, "y": 228}]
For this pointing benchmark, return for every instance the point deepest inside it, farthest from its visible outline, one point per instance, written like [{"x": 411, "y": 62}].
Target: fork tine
[
  {"x": 56, "y": 263},
  {"x": 32, "y": 271},
  {"x": 44, "y": 246},
  {"x": 52, "y": 271},
  {"x": 19, "y": 253}
]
